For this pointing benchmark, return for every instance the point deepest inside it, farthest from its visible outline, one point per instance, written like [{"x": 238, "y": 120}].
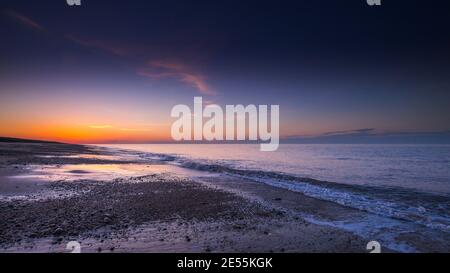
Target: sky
[{"x": 111, "y": 71}]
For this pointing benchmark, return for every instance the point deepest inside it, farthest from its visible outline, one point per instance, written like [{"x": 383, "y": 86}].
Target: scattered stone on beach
[
  {"x": 151, "y": 211},
  {"x": 101, "y": 208},
  {"x": 58, "y": 231}
]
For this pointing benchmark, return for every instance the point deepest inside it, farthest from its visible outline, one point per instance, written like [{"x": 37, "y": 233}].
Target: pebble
[{"x": 58, "y": 231}]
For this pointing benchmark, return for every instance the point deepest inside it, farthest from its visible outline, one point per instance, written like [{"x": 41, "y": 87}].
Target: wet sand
[{"x": 165, "y": 209}]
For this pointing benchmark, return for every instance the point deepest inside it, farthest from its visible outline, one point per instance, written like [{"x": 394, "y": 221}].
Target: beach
[
  {"x": 225, "y": 127},
  {"x": 164, "y": 210}
]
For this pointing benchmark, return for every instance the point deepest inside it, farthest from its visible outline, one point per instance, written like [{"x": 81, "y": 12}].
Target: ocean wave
[{"x": 427, "y": 209}]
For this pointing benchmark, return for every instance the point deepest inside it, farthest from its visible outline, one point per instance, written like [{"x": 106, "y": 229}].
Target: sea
[{"x": 402, "y": 189}]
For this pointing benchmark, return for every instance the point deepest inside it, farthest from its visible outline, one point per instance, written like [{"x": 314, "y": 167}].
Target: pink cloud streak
[
  {"x": 154, "y": 69},
  {"x": 25, "y": 20},
  {"x": 162, "y": 69}
]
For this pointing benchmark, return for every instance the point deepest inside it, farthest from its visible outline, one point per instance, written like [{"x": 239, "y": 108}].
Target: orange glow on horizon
[{"x": 83, "y": 134}]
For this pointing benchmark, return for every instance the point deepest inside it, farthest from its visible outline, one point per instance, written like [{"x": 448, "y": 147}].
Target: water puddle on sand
[
  {"x": 103, "y": 172},
  {"x": 112, "y": 157}
]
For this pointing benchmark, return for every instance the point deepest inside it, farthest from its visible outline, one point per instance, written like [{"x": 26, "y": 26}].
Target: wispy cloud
[
  {"x": 364, "y": 131},
  {"x": 27, "y": 21},
  {"x": 90, "y": 43},
  {"x": 181, "y": 72},
  {"x": 144, "y": 128},
  {"x": 352, "y": 132},
  {"x": 370, "y": 135},
  {"x": 156, "y": 69},
  {"x": 135, "y": 129},
  {"x": 103, "y": 126},
  {"x": 98, "y": 44}
]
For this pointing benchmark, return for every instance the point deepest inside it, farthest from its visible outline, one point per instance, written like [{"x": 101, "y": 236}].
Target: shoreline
[{"x": 164, "y": 210}]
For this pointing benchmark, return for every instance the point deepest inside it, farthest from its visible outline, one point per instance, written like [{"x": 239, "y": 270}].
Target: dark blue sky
[{"x": 331, "y": 65}]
